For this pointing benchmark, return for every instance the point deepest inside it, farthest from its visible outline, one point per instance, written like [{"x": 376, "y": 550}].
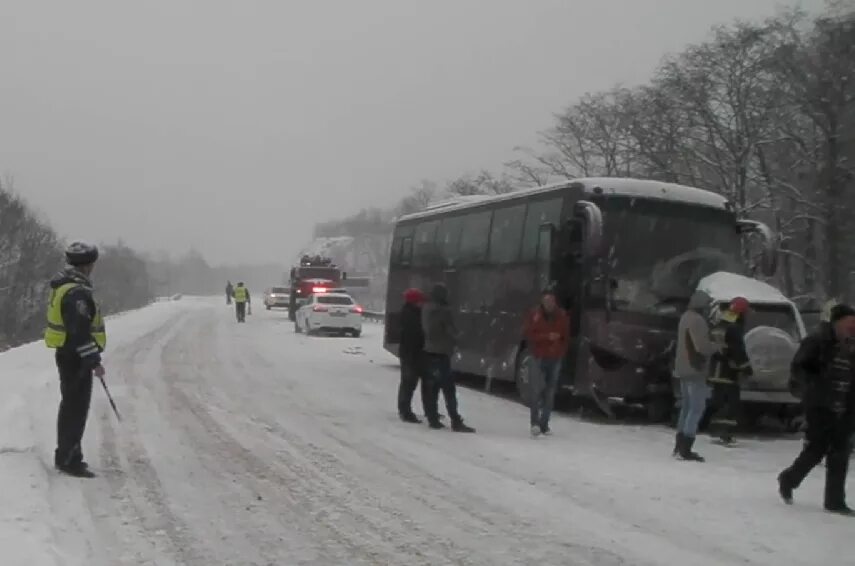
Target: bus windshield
[{"x": 658, "y": 252}]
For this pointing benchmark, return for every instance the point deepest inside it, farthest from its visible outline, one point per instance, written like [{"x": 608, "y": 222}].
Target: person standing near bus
[
  {"x": 729, "y": 367},
  {"x": 547, "y": 333},
  {"x": 411, "y": 352},
  {"x": 440, "y": 340},
  {"x": 691, "y": 369}
]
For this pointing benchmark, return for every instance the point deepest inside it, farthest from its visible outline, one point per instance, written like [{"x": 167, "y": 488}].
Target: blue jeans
[
  {"x": 543, "y": 382},
  {"x": 693, "y": 403}
]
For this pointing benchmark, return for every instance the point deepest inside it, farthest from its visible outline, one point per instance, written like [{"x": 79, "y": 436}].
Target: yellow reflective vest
[
  {"x": 240, "y": 294},
  {"x": 56, "y": 334}
]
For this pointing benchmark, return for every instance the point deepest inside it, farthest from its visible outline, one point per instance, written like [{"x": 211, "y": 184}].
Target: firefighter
[
  {"x": 728, "y": 367},
  {"x": 242, "y": 301},
  {"x": 75, "y": 329}
]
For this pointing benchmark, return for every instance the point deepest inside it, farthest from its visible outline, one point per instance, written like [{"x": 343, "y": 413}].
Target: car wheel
[
  {"x": 356, "y": 333},
  {"x": 522, "y": 376}
]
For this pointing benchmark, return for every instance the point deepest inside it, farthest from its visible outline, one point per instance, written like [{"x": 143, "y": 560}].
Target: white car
[
  {"x": 276, "y": 297},
  {"x": 329, "y": 312}
]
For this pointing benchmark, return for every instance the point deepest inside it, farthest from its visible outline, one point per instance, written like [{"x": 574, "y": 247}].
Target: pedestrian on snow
[
  {"x": 440, "y": 340},
  {"x": 547, "y": 333},
  {"x": 691, "y": 369},
  {"x": 729, "y": 367},
  {"x": 822, "y": 376},
  {"x": 75, "y": 329},
  {"x": 229, "y": 292},
  {"x": 411, "y": 352},
  {"x": 242, "y": 301}
]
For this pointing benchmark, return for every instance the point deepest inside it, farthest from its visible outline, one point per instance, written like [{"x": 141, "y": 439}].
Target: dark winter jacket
[
  {"x": 822, "y": 374},
  {"x": 78, "y": 309},
  {"x": 732, "y": 363},
  {"x": 412, "y": 339},
  {"x": 438, "y": 324},
  {"x": 540, "y": 327}
]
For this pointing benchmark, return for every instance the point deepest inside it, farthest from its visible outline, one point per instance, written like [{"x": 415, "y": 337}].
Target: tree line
[
  {"x": 763, "y": 113},
  {"x": 31, "y": 253}
]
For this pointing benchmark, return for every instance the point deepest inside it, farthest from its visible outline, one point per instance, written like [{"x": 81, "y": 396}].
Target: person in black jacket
[
  {"x": 412, "y": 355},
  {"x": 822, "y": 376},
  {"x": 76, "y": 331},
  {"x": 728, "y": 367}
]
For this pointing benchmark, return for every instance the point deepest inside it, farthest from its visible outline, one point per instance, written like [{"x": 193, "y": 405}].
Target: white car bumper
[{"x": 326, "y": 321}]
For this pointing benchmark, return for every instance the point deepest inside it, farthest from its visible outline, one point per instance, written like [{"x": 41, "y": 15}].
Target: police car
[{"x": 330, "y": 311}]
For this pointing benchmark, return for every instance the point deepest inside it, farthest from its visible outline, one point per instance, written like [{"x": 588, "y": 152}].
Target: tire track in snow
[
  {"x": 325, "y": 494},
  {"x": 134, "y": 483}
]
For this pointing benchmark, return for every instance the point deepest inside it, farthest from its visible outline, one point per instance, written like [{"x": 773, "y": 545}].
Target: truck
[{"x": 314, "y": 274}]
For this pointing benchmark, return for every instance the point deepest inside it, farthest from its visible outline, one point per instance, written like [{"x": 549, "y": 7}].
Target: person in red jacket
[{"x": 547, "y": 332}]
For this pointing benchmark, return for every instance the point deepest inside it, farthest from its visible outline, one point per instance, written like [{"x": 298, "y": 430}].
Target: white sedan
[{"x": 329, "y": 312}]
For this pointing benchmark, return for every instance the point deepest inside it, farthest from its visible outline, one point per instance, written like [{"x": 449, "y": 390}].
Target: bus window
[
  {"x": 473, "y": 243},
  {"x": 505, "y": 234},
  {"x": 448, "y": 240},
  {"x": 424, "y": 250},
  {"x": 544, "y": 256},
  {"x": 539, "y": 213},
  {"x": 407, "y": 251},
  {"x": 395, "y": 252}
]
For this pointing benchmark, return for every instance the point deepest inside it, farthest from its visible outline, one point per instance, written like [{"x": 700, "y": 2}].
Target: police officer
[
  {"x": 241, "y": 295},
  {"x": 75, "y": 329},
  {"x": 728, "y": 367}
]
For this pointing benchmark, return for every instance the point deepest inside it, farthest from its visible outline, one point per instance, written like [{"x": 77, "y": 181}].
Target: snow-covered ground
[{"x": 248, "y": 444}]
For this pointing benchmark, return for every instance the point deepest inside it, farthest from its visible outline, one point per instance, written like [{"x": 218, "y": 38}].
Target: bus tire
[{"x": 522, "y": 377}]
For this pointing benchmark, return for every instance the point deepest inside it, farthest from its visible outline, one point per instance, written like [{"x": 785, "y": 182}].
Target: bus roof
[{"x": 641, "y": 188}]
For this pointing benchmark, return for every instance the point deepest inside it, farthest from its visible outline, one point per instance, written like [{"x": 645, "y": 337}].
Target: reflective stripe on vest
[
  {"x": 240, "y": 294},
  {"x": 55, "y": 332}
]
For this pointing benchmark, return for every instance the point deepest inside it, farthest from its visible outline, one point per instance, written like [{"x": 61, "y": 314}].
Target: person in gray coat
[
  {"x": 691, "y": 368},
  {"x": 441, "y": 336}
]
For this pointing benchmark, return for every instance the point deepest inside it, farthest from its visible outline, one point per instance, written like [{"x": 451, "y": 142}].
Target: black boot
[
  {"x": 840, "y": 509},
  {"x": 457, "y": 425},
  {"x": 410, "y": 418},
  {"x": 678, "y": 443},
  {"x": 435, "y": 424},
  {"x": 686, "y": 450},
  {"x": 79, "y": 470},
  {"x": 785, "y": 489}
]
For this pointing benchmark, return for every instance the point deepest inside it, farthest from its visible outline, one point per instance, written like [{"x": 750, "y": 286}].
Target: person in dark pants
[
  {"x": 242, "y": 300},
  {"x": 229, "y": 292},
  {"x": 440, "y": 339},
  {"x": 822, "y": 376},
  {"x": 547, "y": 333},
  {"x": 412, "y": 356},
  {"x": 728, "y": 368},
  {"x": 75, "y": 329}
]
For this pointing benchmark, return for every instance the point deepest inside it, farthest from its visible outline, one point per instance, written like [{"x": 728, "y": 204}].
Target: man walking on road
[
  {"x": 242, "y": 301},
  {"x": 229, "y": 292},
  {"x": 822, "y": 376},
  {"x": 411, "y": 352},
  {"x": 547, "y": 333},
  {"x": 75, "y": 329},
  {"x": 691, "y": 368},
  {"x": 440, "y": 340}
]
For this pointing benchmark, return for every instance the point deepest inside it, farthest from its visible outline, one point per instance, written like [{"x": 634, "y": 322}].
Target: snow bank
[{"x": 29, "y": 525}]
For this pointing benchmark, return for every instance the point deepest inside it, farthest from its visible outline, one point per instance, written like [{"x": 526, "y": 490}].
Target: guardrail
[{"x": 374, "y": 316}]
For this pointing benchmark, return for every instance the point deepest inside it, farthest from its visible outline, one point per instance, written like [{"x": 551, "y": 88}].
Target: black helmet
[{"x": 81, "y": 253}]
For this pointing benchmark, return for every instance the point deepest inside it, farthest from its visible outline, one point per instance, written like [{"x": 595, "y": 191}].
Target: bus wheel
[
  {"x": 659, "y": 408},
  {"x": 522, "y": 375}
]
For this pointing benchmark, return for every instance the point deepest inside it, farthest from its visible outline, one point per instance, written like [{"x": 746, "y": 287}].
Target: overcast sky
[{"x": 233, "y": 126}]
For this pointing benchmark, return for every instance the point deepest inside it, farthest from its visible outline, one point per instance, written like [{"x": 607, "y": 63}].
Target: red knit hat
[
  {"x": 414, "y": 296},
  {"x": 740, "y": 305}
]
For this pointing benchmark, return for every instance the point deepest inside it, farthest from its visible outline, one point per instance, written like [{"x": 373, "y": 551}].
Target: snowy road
[{"x": 248, "y": 444}]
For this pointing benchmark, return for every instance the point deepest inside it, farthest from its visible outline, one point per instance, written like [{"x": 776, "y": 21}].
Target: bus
[{"x": 624, "y": 256}]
